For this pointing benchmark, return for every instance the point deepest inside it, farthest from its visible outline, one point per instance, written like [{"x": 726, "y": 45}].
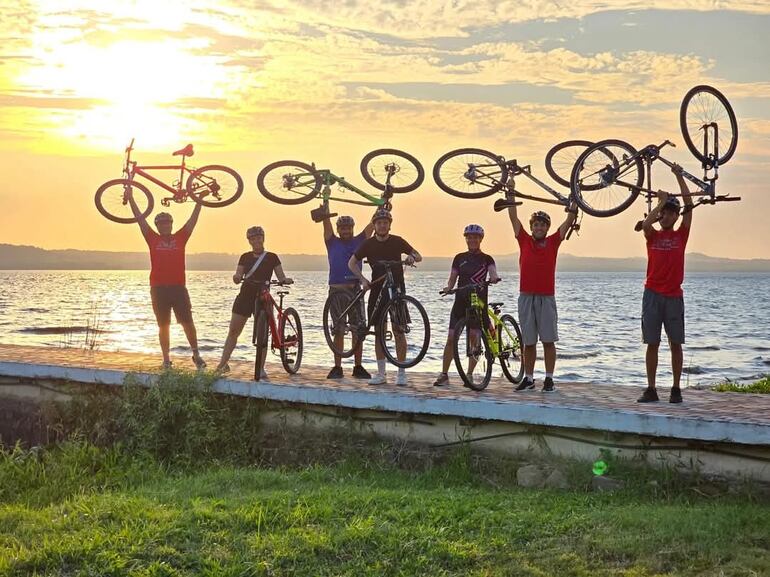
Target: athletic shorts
[
  {"x": 244, "y": 305},
  {"x": 459, "y": 309},
  {"x": 355, "y": 316},
  {"x": 375, "y": 312},
  {"x": 166, "y": 298},
  {"x": 662, "y": 311},
  {"x": 538, "y": 318}
]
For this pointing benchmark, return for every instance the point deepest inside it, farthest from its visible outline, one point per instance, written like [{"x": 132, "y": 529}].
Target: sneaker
[
  {"x": 441, "y": 380},
  {"x": 676, "y": 395},
  {"x": 223, "y": 369},
  {"x": 263, "y": 376},
  {"x": 360, "y": 372},
  {"x": 526, "y": 383},
  {"x": 200, "y": 364},
  {"x": 548, "y": 385},
  {"x": 335, "y": 373},
  {"x": 401, "y": 379},
  {"x": 648, "y": 396},
  {"x": 378, "y": 379},
  {"x": 166, "y": 366}
]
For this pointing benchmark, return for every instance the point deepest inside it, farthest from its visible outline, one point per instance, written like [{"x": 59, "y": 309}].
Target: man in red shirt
[
  {"x": 537, "y": 301},
  {"x": 167, "y": 278},
  {"x": 663, "y": 301}
]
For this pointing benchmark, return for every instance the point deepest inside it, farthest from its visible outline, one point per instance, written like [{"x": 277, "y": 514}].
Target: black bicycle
[
  {"x": 608, "y": 177},
  {"x": 483, "y": 336},
  {"x": 403, "y": 327}
]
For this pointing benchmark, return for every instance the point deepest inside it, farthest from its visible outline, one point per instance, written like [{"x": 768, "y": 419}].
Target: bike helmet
[
  {"x": 381, "y": 213},
  {"x": 346, "y": 221},
  {"x": 672, "y": 203},
  {"x": 540, "y": 215},
  {"x": 163, "y": 217},
  {"x": 473, "y": 229},
  {"x": 255, "y": 231}
]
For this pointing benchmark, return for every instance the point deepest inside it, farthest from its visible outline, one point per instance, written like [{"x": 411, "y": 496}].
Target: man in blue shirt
[{"x": 339, "y": 248}]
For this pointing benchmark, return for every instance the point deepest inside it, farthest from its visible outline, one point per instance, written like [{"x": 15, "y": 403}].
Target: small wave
[
  {"x": 705, "y": 348},
  {"x": 760, "y": 349},
  {"x": 61, "y": 330},
  {"x": 694, "y": 370},
  {"x": 588, "y": 355},
  {"x": 35, "y": 310},
  {"x": 202, "y": 348}
]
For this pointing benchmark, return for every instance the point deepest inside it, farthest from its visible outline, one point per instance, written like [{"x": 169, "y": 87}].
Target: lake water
[{"x": 727, "y": 315}]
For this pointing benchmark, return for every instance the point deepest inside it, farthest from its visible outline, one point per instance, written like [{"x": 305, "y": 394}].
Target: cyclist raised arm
[
  {"x": 140, "y": 218},
  {"x": 189, "y": 226},
  {"x": 686, "y": 196},
  {"x": 571, "y": 216},
  {"x": 513, "y": 215}
]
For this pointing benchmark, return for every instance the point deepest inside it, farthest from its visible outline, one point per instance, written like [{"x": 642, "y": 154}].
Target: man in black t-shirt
[
  {"x": 255, "y": 268},
  {"x": 383, "y": 246},
  {"x": 471, "y": 267}
]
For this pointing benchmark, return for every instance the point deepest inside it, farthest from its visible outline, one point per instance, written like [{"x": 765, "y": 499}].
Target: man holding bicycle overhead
[
  {"x": 663, "y": 300},
  {"x": 167, "y": 277},
  {"x": 383, "y": 246},
  {"x": 339, "y": 249},
  {"x": 471, "y": 267},
  {"x": 255, "y": 269},
  {"x": 537, "y": 284}
]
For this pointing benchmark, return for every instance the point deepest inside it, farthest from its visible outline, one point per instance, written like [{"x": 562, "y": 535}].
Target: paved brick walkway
[{"x": 705, "y": 415}]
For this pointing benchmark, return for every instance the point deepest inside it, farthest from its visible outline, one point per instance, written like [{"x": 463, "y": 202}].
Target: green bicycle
[
  {"x": 483, "y": 336},
  {"x": 386, "y": 169}
]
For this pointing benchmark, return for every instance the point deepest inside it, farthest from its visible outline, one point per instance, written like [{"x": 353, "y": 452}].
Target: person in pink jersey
[
  {"x": 537, "y": 289},
  {"x": 663, "y": 300},
  {"x": 167, "y": 278}
]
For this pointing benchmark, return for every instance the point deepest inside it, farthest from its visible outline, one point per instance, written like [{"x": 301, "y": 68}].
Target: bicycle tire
[
  {"x": 480, "y": 353},
  {"x": 337, "y": 301},
  {"x": 104, "y": 198},
  {"x": 592, "y": 166},
  {"x": 201, "y": 187},
  {"x": 290, "y": 318},
  {"x": 305, "y": 180},
  {"x": 454, "y": 173},
  {"x": 391, "y": 311},
  {"x": 413, "y": 177},
  {"x": 512, "y": 369},
  {"x": 260, "y": 338},
  {"x": 689, "y": 118},
  {"x": 555, "y": 167}
]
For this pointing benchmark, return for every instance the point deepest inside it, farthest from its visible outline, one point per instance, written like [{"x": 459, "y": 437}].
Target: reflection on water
[{"x": 728, "y": 319}]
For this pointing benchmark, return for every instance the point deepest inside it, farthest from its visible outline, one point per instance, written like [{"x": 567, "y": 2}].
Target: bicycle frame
[
  {"x": 132, "y": 169},
  {"x": 477, "y": 307},
  {"x": 389, "y": 285},
  {"x": 330, "y": 179},
  {"x": 266, "y": 298}
]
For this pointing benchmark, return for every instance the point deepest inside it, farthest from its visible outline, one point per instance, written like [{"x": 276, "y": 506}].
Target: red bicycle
[
  {"x": 285, "y": 333},
  {"x": 212, "y": 185}
]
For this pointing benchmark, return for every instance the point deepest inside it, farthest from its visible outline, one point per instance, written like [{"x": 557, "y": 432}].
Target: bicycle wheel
[
  {"x": 473, "y": 360},
  {"x": 701, "y": 106},
  {"x": 606, "y": 178},
  {"x": 406, "y": 171},
  {"x": 289, "y": 182},
  {"x": 290, "y": 329},
  {"x": 214, "y": 185},
  {"x": 260, "y": 339},
  {"x": 470, "y": 173},
  {"x": 112, "y": 202},
  {"x": 561, "y": 158},
  {"x": 511, "y": 350},
  {"x": 405, "y": 317},
  {"x": 347, "y": 326}
]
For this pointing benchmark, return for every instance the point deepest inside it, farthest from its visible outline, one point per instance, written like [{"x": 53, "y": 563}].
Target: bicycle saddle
[
  {"x": 186, "y": 151},
  {"x": 494, "y": 305},
  {"x": 282, "y": 293}
]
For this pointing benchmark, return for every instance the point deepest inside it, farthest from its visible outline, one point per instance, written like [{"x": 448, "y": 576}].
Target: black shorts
[
  {"x": 459, "y": 310},
  {"x": 375, "y": 314},
  {"x": 168, "y": 297},
  {"x": 244, "y": 304}
]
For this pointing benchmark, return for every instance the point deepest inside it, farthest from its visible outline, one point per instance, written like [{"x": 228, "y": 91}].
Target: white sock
[
  {"x": 381, "y": 364},
  {"x": 401, "y": 371},
  {"x": 530, "y": 377},
  {"x": 549, "y": 375}
]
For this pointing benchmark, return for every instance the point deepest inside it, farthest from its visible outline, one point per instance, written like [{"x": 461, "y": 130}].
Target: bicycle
[
  {"x": 403, "y": 312},
  {"x": 629, "y": 172},
  {"x": 478, "y": 173},
  {"x": 285, "y": 334},
  {"x": 211, "y": 185},
  {"x": 293, "y": 182},
  {"x": 500, "y": 339}
]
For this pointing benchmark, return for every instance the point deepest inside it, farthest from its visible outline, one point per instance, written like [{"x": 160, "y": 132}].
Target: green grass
[
  {"x": 762, "y": 387},
  {"x": 80, "y": 510}
]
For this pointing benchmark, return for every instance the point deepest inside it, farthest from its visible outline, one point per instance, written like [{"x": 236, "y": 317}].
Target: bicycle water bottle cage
[{"x": 186, "y": 151}]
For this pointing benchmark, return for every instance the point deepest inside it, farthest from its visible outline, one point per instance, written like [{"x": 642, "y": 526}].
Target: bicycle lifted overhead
[
  {"x": 388, "y": 170},
  {"x": 608, "y": 177},
  {"x": 403, "y": 316},
  {"x": 212, "y": 186},
  {"x": 483, "y": 336}
]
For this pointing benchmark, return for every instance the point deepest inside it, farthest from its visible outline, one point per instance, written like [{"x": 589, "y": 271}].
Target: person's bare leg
[
  {"x": 474, "y": 337},
  {"x": 448, "y": 353},
  {"x": 237, "y": 322},
  {"x": 358, "y": 354},
  {"x": 549, "y": 357},
  {"x": 164, "y": 337},
  {"x": 530, "y": 355},
  {"x": 651, "y": 361},
  {"x": 339, "y": 342},
  {"x": 192, "y": 338},
  {"x": 677, "y": 360}
]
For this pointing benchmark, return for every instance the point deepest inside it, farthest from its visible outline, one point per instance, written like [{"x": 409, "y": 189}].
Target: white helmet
[{"x": 474, "y": 229}]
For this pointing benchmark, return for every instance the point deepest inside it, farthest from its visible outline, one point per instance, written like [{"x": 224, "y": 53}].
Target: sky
[{"x": 325, "y": 81}]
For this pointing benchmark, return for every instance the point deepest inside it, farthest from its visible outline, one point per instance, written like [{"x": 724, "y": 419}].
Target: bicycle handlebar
[
  {"x": 389, "y": 263},
  {"x": 476, "y": 285}
]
